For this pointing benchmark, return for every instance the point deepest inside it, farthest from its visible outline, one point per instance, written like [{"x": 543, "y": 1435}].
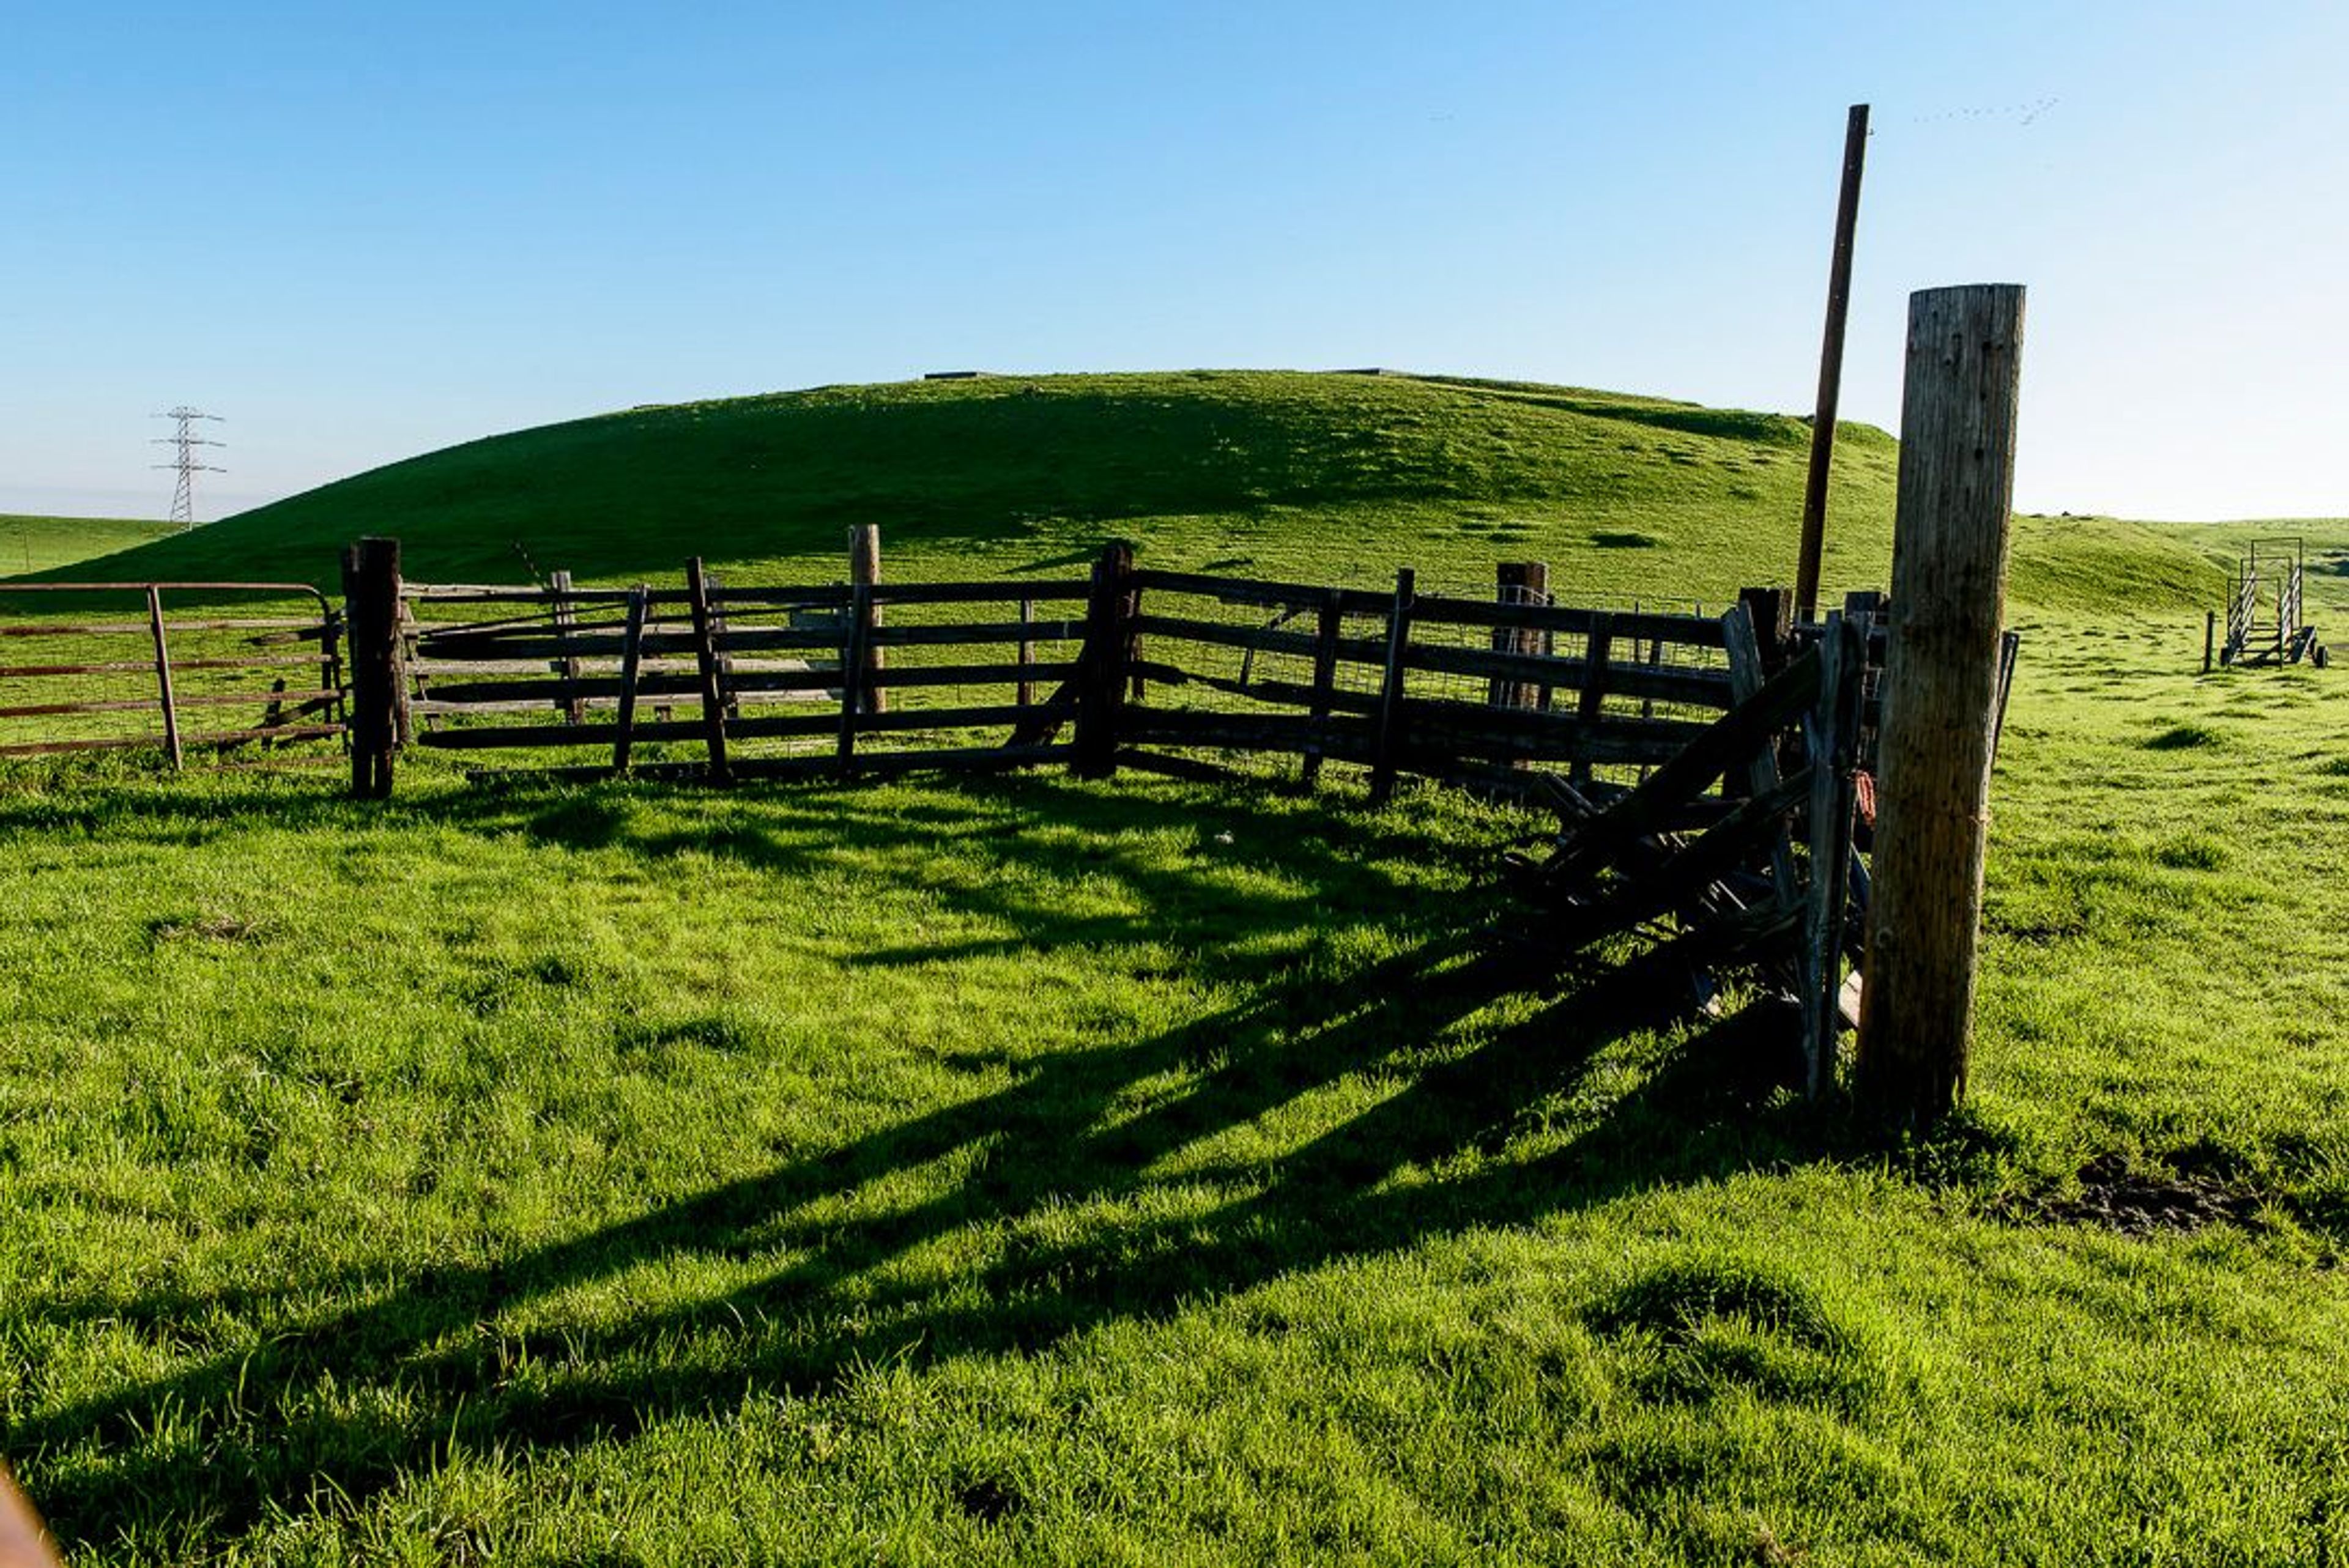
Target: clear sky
[{"x": 362, "y": 233}]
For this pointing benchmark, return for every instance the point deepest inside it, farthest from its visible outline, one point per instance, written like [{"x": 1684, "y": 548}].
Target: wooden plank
[
  {"x": 705, "y": 653},
  {"x": 1291, "y": 693},
  {"x": 1695, "y": 687},
  {"x": 1247, "y": 731},
  {"x": 1951, "y": 532},
  {"x": 1746, "y": 676},
  {"x": 1534, "y": 736},
  {"x": 121, "y": 667},
  {"x": 142, "y": 629},
  {"x": 1260, "y": 639},
  {"x": 180, "y": 699},
  {"x": 1276, "y": 596},
  {"x": 1834, "y": 733},
  {"x": 941, "y": 760},
  {"x": 1387, "y": 725},
  {"x": 1684, "y": 878},
  {"x": 949, "y": 635},
  {"x": 217, "y": 737},
  {"x": 1033, "y": 589},
  {"x": 1692, "y": 631},
  {"x": 1723, "y": 744}
]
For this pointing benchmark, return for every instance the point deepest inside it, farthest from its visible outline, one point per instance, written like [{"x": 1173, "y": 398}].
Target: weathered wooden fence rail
[{"x": 240, "y": 665}]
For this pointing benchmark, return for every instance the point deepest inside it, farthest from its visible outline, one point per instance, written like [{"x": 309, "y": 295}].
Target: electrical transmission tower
[{"x": 183, "y": 495}]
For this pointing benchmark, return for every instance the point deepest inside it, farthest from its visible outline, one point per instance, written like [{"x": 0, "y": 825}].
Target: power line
[{"x": 183, "y": 495}]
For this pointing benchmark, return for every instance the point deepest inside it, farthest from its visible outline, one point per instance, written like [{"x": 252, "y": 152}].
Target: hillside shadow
[{"x": 821, "y": 1299}]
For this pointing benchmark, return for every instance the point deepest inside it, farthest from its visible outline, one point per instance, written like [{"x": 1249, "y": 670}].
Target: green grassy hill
[
  {"x": 1319, "y": 477},
  {"x": 1323, "y": 476},
  {"x": 30, "y": 545}
]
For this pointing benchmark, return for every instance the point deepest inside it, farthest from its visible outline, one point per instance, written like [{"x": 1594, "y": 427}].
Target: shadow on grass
[{"x": 430, "y": 1348}]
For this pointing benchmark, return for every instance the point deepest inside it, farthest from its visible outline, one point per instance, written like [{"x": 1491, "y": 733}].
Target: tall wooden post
[
  {"x": 371, "y": 614},
  {"x": 1823, "y": 426},
  {"x": 865, "y": 574},
  {"x": 1952, "y": 524}
]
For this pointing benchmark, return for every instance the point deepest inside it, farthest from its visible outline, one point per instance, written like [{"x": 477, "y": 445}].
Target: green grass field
[
  {"x": 42, "y": 545},
  {"x": 1031, "y": 1170}
]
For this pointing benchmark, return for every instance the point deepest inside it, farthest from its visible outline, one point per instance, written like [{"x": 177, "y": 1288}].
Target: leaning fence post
[
  {"x": 163, "y": 676},
  {"x": 1951, "y": 529},
  {"x": 371, "y": 614},
  {"x": 1101, "y": 679},
  {"x": 705, "y": 659}
]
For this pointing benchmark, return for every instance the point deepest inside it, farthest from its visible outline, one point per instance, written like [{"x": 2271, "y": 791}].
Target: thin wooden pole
[
  {"x": 1027, "y": 692},
  {"x": 1387, "y": 739},
  {"x": 1953, "y": 527},
  {"x": 163, "y": 676},
  {"x": 564, "y": 615},
  {"x": 1823, "y": 424},
  {"x": 864, "y": 573},
  {"x": 1589, "y": 703},
  {"x": 705, "y": 658}
]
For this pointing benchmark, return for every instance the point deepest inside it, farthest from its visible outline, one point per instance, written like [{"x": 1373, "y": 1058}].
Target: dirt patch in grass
[{"x": 2139, "y": 1202}]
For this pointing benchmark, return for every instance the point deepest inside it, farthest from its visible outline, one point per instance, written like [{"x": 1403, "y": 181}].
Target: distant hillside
[
  {"x": 29, "y": 544},
  {"x": 1318, "y": 475}
]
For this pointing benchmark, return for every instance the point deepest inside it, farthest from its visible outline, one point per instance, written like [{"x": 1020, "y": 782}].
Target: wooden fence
[
  {"x": 174, "y": 665},
  {"x": 1177, "y": 672}
]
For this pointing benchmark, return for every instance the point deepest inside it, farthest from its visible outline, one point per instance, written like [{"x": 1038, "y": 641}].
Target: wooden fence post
[
  {"x": 562, "y": 611},
  {"x": 1518, "y": 583},
  {"x": 1590, "y": 702},
  {"x": 371, "y": 615},
  {"x": 1387, "y": 739},
  {"x": 163, "y": 676},
  {"x": 705, "y": 658},
  {"x": 1328, "y": 623},
  {"x": 1951, "y": 529},
  {"x": 1101, "y": 678},
  {"x": 632, "y": 644},
  {"x": 865, "y": 574}
]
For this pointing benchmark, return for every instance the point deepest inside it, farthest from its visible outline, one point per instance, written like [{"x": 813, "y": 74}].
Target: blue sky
[{"x": 363, "y": 233}]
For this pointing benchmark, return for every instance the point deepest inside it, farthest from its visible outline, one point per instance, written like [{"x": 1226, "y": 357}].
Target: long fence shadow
[{"x": 828, "y": 1305}]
